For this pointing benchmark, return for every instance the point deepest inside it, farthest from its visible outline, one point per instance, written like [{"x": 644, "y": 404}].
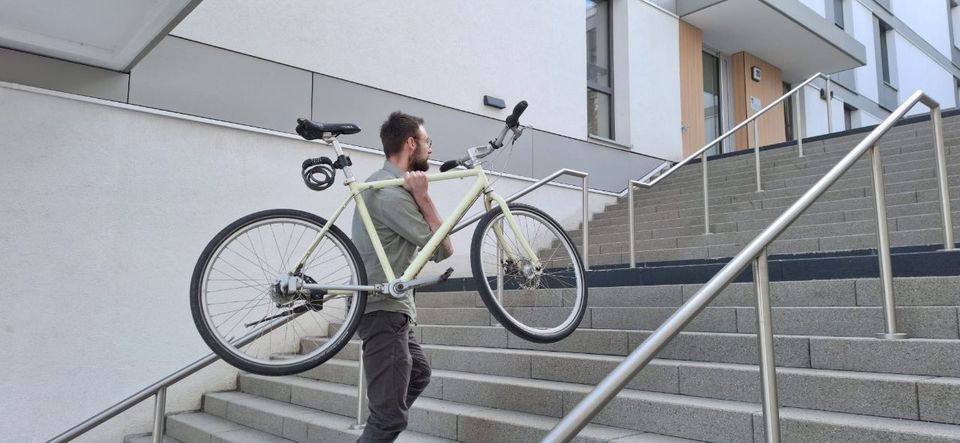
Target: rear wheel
[
  {"x": 542, "y": 302},
  {"x": 251, "y": 323}
]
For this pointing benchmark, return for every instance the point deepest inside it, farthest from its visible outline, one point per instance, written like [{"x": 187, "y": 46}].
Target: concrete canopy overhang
[
  {"x": 111, "y": 34},
  {"x": 784, "y": 33}
]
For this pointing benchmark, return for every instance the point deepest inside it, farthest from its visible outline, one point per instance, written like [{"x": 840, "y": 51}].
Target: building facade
[{"x": 133, "y": 131}]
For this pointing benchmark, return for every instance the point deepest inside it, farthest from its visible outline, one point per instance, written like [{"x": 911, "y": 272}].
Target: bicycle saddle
[{"x": 311, "y": 130}]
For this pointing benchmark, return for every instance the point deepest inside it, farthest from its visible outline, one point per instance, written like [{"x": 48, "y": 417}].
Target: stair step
[
  {"x": 291, "y": 421},
  {"x": 927, "y": 322},
  {"x": 886, "y": 395},
  {"x": 148, "y": 438},
  {"x": 677, "y": 415},
  {"x": 203, "y": 427},
  {"x": 431, "y": 420}
]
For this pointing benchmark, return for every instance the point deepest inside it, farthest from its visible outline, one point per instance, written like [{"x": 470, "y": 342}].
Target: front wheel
[
  {"x": 540, "y": 302},
  {"x": 259, "y": 327}
]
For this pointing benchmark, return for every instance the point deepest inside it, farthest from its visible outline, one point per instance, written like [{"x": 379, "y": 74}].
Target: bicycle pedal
[{"x": 445, "y": 275}]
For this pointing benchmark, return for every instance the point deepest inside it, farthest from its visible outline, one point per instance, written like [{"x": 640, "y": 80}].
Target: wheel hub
[
  {"x": 286, "y": 289},
  {"x": 526, "y": 274}
]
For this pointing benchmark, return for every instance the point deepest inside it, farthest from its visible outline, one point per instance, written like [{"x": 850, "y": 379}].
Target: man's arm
[{"x": 416, "y": 184}]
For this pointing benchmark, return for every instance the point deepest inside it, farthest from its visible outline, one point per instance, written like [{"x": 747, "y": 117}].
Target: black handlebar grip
[
  {"x": 514, "y": 119},
  {"x": 448, "y": 165}
]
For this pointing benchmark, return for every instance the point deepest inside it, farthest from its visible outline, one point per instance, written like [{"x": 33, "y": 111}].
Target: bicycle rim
[
  {"x": 542, "y": 303},
  {"x": 237, "y": 299}
]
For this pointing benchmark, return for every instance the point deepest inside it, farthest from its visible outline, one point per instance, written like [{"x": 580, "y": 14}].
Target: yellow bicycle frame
[{"x": 481, "y": 186}]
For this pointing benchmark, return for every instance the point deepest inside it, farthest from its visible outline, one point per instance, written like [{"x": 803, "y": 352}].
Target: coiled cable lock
[{"x": 320, "y": 173}]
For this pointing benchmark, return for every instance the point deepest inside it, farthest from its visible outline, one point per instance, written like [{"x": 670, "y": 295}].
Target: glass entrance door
[{"x": 711, "y": 101}]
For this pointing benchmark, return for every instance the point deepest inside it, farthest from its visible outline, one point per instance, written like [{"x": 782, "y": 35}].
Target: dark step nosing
[{"x": 908, "y": 261}]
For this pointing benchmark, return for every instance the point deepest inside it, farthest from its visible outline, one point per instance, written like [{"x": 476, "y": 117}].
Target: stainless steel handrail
[
  {"x": 756, "y": 252},
  {"x": 702, "y": 153},
  {"x": 586, "y": 206},
  {"x": 159, "y": 388}
]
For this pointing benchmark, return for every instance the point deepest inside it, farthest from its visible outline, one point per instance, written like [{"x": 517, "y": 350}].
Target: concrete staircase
[
  {"x": 669, "y": 217},
  {"x": 836, "y": 382}
]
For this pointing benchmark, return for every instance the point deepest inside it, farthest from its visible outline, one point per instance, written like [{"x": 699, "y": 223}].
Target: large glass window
[{"x": 599, "y": 83}]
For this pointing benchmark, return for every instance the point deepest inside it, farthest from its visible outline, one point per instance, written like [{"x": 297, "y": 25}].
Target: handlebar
[
  {"x": 514, "y": 119},
  {"x": 512, "y": 123}
]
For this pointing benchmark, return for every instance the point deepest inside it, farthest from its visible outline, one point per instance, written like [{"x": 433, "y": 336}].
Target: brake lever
[{"x": 517, "y": 132}]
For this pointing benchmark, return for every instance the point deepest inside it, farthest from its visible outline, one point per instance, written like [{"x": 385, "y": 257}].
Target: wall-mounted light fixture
[
  {"x": 755, "y": 73},
  {"x": 823, "y": 94},
  {"x": 494, "y": 102}
]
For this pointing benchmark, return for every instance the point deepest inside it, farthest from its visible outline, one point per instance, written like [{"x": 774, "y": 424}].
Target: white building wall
[
  {"x": 915, "y": 70},
  {"x": 814, "y": 112},
  {"x": 450, "y": 52},
  {"x": 654, "y": 65},
  {"x": 103, "y": 216},
  {"x": 818, "y": 6},
  {"x": 837, "y": 117},
  {"x": 866, "y": 76},
  {"x": 929, "y": 19}
]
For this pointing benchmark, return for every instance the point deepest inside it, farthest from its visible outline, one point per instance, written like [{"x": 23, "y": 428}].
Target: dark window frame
[{"x": 606, "y": 90}]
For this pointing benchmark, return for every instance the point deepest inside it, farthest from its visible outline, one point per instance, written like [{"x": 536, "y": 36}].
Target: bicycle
[{"x": 267, "y": 314}]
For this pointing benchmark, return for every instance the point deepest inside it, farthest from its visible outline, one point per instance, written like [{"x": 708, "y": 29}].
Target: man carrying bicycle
[{"x": 405, "y": 218}]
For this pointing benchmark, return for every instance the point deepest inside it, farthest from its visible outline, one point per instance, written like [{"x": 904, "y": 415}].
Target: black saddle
[{"x": 311, "y": 130}]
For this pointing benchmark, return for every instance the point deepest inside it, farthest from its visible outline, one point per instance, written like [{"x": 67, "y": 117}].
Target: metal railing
[
  {"x": 756, "y": 252},
  {"x": 648, "y": 182},
  {"x": 159, "y": 388}
]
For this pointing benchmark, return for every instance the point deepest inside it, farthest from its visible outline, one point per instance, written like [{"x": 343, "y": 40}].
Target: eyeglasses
[{"x": 429, "y": 141}]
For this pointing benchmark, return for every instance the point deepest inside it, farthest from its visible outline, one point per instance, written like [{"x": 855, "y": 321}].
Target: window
[
  {"x": 788, "y": 108},
  {"x": 599, "y": 84},
  {"x": 955, "y": 22},
  {"x": 848, "y": 112},
  {"x": 838, "y": 13},
  {"x": 885, "y": 53}
]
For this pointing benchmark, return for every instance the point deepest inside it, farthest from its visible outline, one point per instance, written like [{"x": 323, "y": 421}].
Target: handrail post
[
  {"x": 159, "y": 409},
  {"x": 630, "y": 224},
  {"x": 798, "y": 122},
  {"x": 946, "y": 215},
  {"x": 756, "y": 150},
  {"x": 883, "y": 249},
  {"x": 829, "y": 107},
  {"x": 768, "y": 366},
  {"x": 586, "y": 222},
  {"x": 706, "y": 197},
  {"x": 360, "y": 394}
]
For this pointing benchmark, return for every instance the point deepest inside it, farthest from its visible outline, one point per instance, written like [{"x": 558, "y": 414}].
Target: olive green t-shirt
[{"x": 402, "y": 230}]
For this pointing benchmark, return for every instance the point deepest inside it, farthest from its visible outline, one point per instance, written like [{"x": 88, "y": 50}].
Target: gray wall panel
[
  {"x": 609, "y": 168},
  {"x": 59, "y": 75},
  {"x": 452, "y": 131},
  {"x": 192, "y": 78}
]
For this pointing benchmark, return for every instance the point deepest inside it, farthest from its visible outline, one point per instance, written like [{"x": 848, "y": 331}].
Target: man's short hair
[{"x": 395, "y": 131}]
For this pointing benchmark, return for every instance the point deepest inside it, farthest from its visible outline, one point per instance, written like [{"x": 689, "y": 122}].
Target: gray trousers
[{"x": 396, "y": 369}]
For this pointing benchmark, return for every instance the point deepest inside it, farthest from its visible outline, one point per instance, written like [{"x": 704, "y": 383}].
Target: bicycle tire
[
  {"x": 224, "y": 278},
  {"x": 542, "y": 305}
]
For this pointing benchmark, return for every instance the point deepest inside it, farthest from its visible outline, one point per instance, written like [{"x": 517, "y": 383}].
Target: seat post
[{"x": 339, "y": 149}]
